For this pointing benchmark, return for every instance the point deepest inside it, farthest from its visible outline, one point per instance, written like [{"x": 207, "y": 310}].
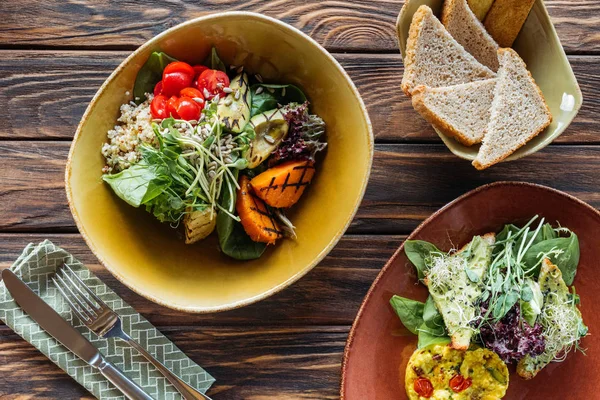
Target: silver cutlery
[
  {"x": 61, "y": 330},
  {"x": 106, "y": 323}
]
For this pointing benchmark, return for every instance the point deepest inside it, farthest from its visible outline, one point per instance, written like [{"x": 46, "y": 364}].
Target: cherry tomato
[
  {"x": 172, "y": 107},
  {"x": 173, "y": 82},
  {"x": 158, "y": 107},
  {"x": 188, "y": 109},
  {"x": 213, "y": 81},
  {"x": 458, "y": 383},
  {"x": 179, "y": 66},
  {"x": 191, "y": 92},
  {"x": 198, "y": 69},
  {"x": 158, "y": 88},
  {"x": 423, "y": 387}
]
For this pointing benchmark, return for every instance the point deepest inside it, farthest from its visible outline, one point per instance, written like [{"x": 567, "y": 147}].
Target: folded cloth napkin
[{"x": 35, "y": 265}]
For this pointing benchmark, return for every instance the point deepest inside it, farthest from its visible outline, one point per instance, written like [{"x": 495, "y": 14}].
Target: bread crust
[
  {"x": 505, "y": 20},
  {"x": 476, "y": 163},
  {"x": 435, "y": 120},
  {"x": 411, "y": 45}
]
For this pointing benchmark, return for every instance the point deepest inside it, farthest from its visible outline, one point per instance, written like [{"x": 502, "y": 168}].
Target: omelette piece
[
  {"x": 440, "y": 372},
  {"x": 455, "y": 284},
  {"x": 560, "y": 319}
]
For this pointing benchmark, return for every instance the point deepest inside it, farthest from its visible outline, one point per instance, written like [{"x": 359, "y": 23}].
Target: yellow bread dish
[{"x": 439, "y": 364}]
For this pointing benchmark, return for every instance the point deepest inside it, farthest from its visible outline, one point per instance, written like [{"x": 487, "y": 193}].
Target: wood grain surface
[{"x": 54, "y": 55}]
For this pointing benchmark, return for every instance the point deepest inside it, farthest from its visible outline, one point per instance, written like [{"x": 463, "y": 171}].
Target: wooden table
[{"x": 54, "y": 55}]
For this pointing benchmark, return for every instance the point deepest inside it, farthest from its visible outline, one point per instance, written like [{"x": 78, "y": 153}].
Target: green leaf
[
  {"x": 531, "y": 308},
  {"x": 419, "y": 252},
  {"x": 471, "y": 275},
  {"x": 233, "y": 239},
  {"x": 504, "y": 303},
  {"x": 409, "y": 311},
  {"x": 562, "y": 251},
  {"x": 432, "y": 318},
  {"x": 213, "y": 61},
  {"x": 149, "y": 75},
  {"x": 282, "y": 95},
  {"x": 426, "y": 338},
  {"x": 137, "y": 184}
]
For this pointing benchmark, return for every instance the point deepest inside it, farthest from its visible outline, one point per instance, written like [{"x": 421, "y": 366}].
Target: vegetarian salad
[
  {"x": 510, "y": 293},
  {"x": 214, "y": 148}
]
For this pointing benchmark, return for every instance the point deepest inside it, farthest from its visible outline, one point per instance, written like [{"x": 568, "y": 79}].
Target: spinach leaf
[
  {"x": 427, "y": 338},
  {"x": 233, "y": 239},
  {"x": 214, "y": 62},
  {"x": 138, "y": 184},
  {"x": 409, "y": 311},
  {"x": 281, "y": 95},
  {"x": 149, "y": 75},
  {"x": 432, "y": 318},
  {"x": 419, "y": 253},
  {"x": 504, "y": 303},
  {"x": 562, "y": 251}
]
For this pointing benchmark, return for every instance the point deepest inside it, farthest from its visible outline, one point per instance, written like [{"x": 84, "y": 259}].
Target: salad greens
[
  {"x": 213, "y": 61},
  {"x": 149, "y": 74},
  {"x": 266, "y": 96},
  {"x": 514, "y": 306}
]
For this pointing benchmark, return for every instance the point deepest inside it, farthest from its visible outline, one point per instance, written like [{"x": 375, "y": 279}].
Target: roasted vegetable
[
  {"x": 257, "y": 220},
  {"x": 234, "y": 109},
  {"x": 270, "y": 128},
  {"x": 282, "y": 185},
  {"x": 199, "y": 224}
]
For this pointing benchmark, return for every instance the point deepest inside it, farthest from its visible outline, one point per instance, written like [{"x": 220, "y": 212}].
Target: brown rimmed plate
[{"x": 379, "y": 347}]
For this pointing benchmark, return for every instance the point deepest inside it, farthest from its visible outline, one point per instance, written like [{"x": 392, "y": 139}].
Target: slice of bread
[
  {"x": 433, "y": 58},
  {"x": 518, "y": 111},
  {"x": 480, "y": 7},
  {"x": 460, "y": 111},
  {"x": 464, "y": 26},
  {"x": 506, "y": 18}
]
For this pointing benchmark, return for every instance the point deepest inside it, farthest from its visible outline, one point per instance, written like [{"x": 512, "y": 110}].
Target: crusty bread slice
[
  {"x": 459, "y": 111},
  {"x": 518, "y": 111},
  {"x": 480, "y": 7},
  {"x": 506, "y": 18},
  {"x": 464, "y": 26},
  {"x": 433, "y": 58}
]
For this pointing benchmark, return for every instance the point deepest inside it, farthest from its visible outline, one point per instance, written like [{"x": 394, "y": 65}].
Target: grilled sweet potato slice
[
  {"x": 256, "y": 218},
  {"x": 282, "y": 185}
]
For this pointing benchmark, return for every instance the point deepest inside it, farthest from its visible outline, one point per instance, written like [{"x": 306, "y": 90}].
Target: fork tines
[{"x": 69, "y": 285}]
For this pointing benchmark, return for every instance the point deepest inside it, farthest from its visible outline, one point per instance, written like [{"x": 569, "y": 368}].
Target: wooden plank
[
  {"x": 257, "y": 363},
  {"x": 329, "y": 294},
  {"x": 339, "y": 26},
  {"x": 422, "y": 177},
  {"x": 48, "y": 98}
]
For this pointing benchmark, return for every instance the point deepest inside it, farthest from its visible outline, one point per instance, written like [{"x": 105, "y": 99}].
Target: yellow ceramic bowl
[
  {"x": 150, "y": 257},
  {"x": 539, "y": 46}
]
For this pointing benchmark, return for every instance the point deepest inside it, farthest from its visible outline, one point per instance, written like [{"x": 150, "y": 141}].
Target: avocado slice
[
  {"x": 270, "y": 128},
  {"x": 234, "y": 109}
]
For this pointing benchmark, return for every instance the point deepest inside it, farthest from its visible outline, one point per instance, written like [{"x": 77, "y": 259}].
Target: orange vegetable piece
[
  {"x": 282, "y": 185},
  {"x": 258, "y": 222}
]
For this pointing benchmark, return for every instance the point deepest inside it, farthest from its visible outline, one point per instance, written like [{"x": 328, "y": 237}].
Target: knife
[{"x": 62, "y": 331}]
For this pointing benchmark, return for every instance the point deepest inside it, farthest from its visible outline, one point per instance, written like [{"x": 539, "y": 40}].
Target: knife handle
[{"x": 129, "y": 388}]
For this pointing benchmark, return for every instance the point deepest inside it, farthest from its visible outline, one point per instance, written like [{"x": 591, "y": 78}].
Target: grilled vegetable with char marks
[
  {"x": 256, "y": 218},
  {"x": 283, "y": 185},
  {"x": 234, "y": 109},
  {"x": 270, "y": 128}
]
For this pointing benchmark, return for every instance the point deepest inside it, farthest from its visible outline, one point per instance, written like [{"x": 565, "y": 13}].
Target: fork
[{"x": 106, "y": 323}]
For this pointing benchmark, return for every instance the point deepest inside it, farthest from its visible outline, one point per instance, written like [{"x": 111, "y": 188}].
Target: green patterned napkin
[{"x": 34, "y": 267}]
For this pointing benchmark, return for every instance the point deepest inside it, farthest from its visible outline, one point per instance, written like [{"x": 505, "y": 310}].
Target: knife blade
[{"x": 67, "y": 335}]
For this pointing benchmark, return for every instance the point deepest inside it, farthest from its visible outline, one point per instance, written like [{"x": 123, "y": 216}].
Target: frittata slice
[
  {"x": 455, "y": 284},
  {"x": 560, "y": 319}
]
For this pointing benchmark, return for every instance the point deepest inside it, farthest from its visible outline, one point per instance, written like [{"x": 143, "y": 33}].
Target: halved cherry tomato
[
  {"x": 198, "y": 69},
  {"x": 158, "y": 88},
  {"x": 213, "y": 81},
  {"x": 172, "y": 107},
  {"x": 173, "y": 82},
  {"x": 179, "y": 66},
  {"x": 423, "y": 387},
  {"x": 158, "y": 107},
  {"x": 191, "y": 92},
  {"x": 188, "y": 109},
  {"x": 458, "y": 383}
]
